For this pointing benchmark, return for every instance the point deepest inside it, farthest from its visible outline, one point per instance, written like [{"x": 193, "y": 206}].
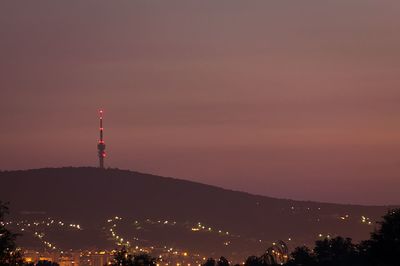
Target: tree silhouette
[
  {"x": 209, "y": 262},
  {"x": 277, "y": 254},
  {"x": 337, "y": 251},
  {"x": 223, "y": 262},
  {"x": 383, "y": 248},
  {"x": 9, "y": 255},
  {"x": 302, "y": 256},
  {"x": 123, "y": 258},
  {"x": 252, "y": 261},
  {"x": 143, "y": 260}
]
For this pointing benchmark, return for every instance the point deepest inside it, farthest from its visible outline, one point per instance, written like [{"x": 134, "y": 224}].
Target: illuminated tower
[{"x": 101, "y": 146}]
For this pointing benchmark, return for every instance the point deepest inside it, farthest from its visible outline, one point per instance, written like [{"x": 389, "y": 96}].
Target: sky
[{"x": 289, "y": 99}]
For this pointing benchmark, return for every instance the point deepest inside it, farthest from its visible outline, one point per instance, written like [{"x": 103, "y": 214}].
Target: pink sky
[{"x": 293, "y": 99}]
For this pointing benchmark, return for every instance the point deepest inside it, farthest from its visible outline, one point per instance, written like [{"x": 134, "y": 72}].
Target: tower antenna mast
[{"x": 101, "y": 146}]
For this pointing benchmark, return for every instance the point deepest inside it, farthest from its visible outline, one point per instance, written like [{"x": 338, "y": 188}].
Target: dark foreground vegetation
[
  {"x": 122, "y": 257},
  {"x": 382, "y": 249},
  {"x": 9, "y": 254}
]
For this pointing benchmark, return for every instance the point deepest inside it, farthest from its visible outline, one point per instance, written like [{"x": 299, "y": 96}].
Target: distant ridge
[{"x": 91, "y": 195}]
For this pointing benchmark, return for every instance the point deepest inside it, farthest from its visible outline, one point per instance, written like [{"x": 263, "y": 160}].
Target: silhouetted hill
[{"x": 90, "y": 196}]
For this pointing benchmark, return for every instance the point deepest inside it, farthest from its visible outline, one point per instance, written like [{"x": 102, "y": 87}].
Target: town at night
[{"x": 199, "y": 133}]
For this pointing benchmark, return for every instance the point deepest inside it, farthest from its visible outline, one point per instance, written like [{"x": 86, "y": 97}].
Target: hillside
[{"x": 151, "y": 204}]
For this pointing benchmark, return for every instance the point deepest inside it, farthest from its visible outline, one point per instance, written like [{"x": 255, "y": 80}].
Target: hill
[{"x": 163, "y": 211}]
